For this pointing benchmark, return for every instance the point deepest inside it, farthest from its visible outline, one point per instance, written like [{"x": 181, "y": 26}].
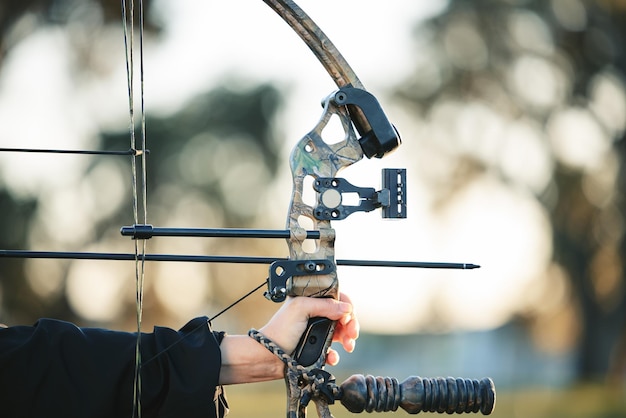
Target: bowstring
[{"x": 140, "y": 245}]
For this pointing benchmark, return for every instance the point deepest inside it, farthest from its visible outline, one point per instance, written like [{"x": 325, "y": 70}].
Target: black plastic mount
[
  {"x": 383, "y": 137},
  {"x": 391, "y": 198},
  {"x": 283, "y": 270}
]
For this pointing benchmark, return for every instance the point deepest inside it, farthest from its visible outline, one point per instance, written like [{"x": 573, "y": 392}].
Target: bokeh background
[{"x": 512, "y": 114}]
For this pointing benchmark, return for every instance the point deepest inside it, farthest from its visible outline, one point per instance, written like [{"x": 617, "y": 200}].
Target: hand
[
  {"x": 246, "y": 361},
  {"x": 288, "y": 324}
]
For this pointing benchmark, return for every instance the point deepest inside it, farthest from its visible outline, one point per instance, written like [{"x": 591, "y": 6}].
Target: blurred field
[{"x": 267, "y": 400}]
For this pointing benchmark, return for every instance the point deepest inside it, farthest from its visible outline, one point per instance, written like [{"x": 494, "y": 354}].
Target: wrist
[{"x": 246, "y": 361}]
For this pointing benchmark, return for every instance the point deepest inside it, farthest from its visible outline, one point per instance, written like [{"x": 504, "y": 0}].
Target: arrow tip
[{"x": 471, "y": 266}]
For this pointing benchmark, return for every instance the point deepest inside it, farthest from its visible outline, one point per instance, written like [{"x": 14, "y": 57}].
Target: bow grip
[{"x": 313, "y": 341}]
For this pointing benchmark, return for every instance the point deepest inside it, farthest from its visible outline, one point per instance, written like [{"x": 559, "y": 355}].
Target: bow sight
[{"x": 391, "y": 198}]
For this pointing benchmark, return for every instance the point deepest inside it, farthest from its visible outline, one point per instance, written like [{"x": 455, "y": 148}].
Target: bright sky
[{"x": 498, "y": 228}]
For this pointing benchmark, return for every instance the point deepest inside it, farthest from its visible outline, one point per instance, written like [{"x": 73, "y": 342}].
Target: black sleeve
[{"x": 57, "y": 369}]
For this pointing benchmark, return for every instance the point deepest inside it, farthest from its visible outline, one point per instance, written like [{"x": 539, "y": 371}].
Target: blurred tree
[
  {"x": 217, "y": 134},
  {"x": 209, "y": 165},
  {"x": 18, "y": 19},
  {"x": 14, "y": 290},
  {"x": 554, "y": 72}
]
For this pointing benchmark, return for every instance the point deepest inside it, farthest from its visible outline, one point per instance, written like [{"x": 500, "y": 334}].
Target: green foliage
[{"x": 487, "y": 68}]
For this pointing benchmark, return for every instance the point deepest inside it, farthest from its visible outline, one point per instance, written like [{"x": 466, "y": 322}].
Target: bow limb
[
  {"x": 329, "y": 56},
  {"x": 335, "y": 64}
]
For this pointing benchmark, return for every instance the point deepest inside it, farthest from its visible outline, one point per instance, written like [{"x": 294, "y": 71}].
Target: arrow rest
[{"x": 282, "y": 272}]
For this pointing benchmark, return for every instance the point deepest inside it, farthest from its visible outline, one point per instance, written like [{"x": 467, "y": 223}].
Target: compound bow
[{"x": 312, "y": 272}]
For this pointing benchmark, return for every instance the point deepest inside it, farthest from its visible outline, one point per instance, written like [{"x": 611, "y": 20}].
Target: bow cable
[{"x": 140, "y": 245}]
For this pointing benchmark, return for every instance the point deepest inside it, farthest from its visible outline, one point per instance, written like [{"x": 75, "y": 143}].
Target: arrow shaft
[{"x": 68, "y": 255}]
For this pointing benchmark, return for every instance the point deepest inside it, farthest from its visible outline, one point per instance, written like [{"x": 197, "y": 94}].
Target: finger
[
  {"x": 352, "y": 329},
  {"x": 332, "y": 357},
  {"x": 348, "y": 344},
  {"x": 347, "y": 335},
  {"x": 345, "y": 298},
  {"x": 350, "y": 321},
  {"x": 328, "y": 308},
  {"x": 347, "y": 330}
]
